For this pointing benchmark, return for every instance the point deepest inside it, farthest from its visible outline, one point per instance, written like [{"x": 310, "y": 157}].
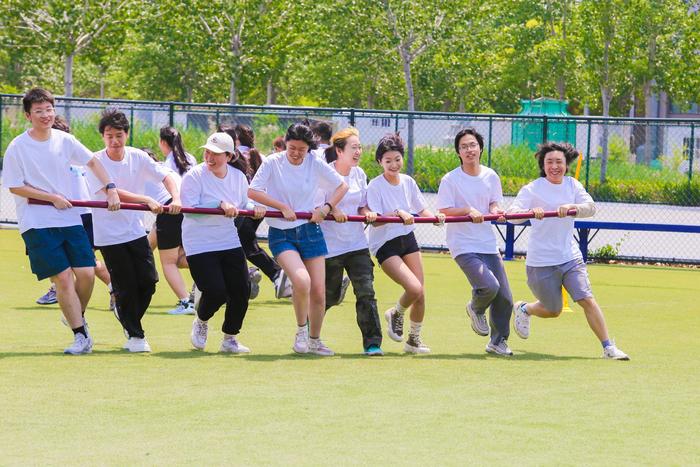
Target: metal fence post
[
  {"x": 488, "y": 163},
  {"x": 691, "y": 152},
  {"x": 352, "y": 117},
  {"x": 588, "y": 152},
  {"x": 171, "y": 114},
  {"x": 133, "y": 126},
  {"x": 218, "y": 118},
  {"x": 0, "y": 127}
]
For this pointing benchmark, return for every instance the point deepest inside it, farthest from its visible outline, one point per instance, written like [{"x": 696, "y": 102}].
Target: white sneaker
[
  {"x": 81, "y": 345},
  {"x": 184, "y": 307},
  {"x": 317, "y": 347},
  {"x": 254, "y": 276},
  {"x": 479, "y": 323},
  {"x": 613, "y": 353},
  {"x": 344, "y": 284},
  {"x": 283, "y": 286},
  {"x": 231, "y": 345},
  {"x": 500, "y": 349},
  {"x": 521, "y": 321},
  {"x": 394, "y": 321},
  {"x": 414, "y": 344},
  {"x": 137, "y": 344},
  {"x": 196, "y": 296},
  {"x": 198, "y": 336},
  {"x": 301, "y": 340}
]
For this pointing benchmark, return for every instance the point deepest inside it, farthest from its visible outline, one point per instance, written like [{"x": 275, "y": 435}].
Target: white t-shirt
[
  {"x": 458, "y": 190},
  {"x": 384, "y": 198},
  {"x": 169, "y": 162},
  {"x": 203, "y": 189},
  {"x": 45, "y": 165},
  {"x": 294, "y": 185},
  {"x": 551, "y": 240},
  {"x": 349, "y": 236},
  {"x": 131, "y": 174},
  {"x": 157, "y": 191}
]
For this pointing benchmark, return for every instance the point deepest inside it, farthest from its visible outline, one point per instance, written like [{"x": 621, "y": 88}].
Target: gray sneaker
[
  {"x": 317, "y": 347},
  {"x": 479, "y": 323},
  {"x": 344, "y": 284},
  {"x": 81, "y": 345},
  {"x": 49, "y": 298},
  {"x": 521, "y": 321},
  {"x": 499, "y": 349},
  {"x": 283, "y": 286},
  {"x": 414, "y": 344},
  {"x": 254, "y": 277}
]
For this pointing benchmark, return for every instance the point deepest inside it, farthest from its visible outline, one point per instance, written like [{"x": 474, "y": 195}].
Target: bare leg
[
  {"x": 102, "y": 273},
  {"x": 539, "y": 310},
  {"x": 595, "y": 318},
  {"x": 316, "y": 268},
  {"x": 296, "y": 271},
  {"x": 68, "y": 298},
  {"x": 84, "y": 282},
  {"x": 402, "y": 274},
  {"x": 168, "y": 260}
]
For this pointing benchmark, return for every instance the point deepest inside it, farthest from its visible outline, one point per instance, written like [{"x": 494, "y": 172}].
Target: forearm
[
  {"x": 455, "y": 211},
  {"x": 585, "y": 209},
  {"x": 261, "y": 197},
  {"x": 98, "y": 169},
  {"x": 129, "y": 197},
  {"x": 27, "y": 191},
  {"x": 170, "y": 185},
  {"x": 338, "y": 194}
]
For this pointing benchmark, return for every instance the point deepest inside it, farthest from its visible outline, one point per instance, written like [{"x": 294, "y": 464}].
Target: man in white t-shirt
[
  {"x": 122, "y": 236},
  {"x": 37, "y": 165}
]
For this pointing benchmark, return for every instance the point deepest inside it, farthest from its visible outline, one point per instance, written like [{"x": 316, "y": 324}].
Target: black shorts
[
  {"x": 169, "y": 231},
  {"x": 399, "y": 246},
  {"x": 87, "y": 225}
]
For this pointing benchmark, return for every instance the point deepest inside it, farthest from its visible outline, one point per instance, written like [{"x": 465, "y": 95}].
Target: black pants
[
  {"x": 359, "y": 266},
  {"x": 222, "y": 276},
  {"x": 134, "y": 277},
  {"x": 247, "y": 226}
]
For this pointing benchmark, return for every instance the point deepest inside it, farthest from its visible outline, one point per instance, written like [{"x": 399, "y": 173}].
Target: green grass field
[{"x": 556, "y": 402}]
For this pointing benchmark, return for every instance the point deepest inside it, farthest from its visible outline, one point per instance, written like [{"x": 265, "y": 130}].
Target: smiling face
[
  {"x": 296, "y": 151},
  {"x": 351, "y": 153},
  {"x": 469, "y": 150},
  {"x": 216, "y": 161},
  {"x": 555, "y": 166},
  {"x": 41, "y": 116},
  {"x": 392, "y": 162},
  {"x": 115, "y": 141}
]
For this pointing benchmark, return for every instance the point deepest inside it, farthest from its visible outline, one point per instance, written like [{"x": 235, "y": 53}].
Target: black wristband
[{"x": 110, "y": 185}]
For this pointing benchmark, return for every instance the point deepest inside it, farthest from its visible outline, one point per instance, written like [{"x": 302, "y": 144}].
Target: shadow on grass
[{"x": 59, "y": 353}]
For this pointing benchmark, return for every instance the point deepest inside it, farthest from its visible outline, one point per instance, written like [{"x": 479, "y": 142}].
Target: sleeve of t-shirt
[
  {"x": 190, "y": 190},
  {"x": 260, "y": 180},
  {"x": 79, "y": 154},
  {"x": 328, "y": 178},
  {"x": 445, "y": 194},
  {"x": 12, "y": 172},
  {"x": 415, "y": 197},
  {"x": 580, "y": 194},
  {"x": 152, "y": 170},
  {"x": 374, "y": 199},
  {"x": 362, "y": 181},
  {"x": 496, "y": 189},
  {"x": 242, "y": 187}
]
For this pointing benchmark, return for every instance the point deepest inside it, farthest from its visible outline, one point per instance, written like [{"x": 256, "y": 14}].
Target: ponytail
[{"x": 173, "y": 139}]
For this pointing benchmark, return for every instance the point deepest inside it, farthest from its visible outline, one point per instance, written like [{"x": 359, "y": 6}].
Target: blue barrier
[{"x": 584, "y": 229}]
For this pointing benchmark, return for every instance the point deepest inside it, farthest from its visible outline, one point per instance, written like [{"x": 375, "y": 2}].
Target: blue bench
[{"x": 584, "y": 229}]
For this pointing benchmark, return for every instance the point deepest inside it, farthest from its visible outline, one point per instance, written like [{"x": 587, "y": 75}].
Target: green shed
[{"x": 532, "y": 130}]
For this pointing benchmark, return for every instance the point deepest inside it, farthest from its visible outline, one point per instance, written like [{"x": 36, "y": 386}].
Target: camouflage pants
[{"x": 360, "y": 270}]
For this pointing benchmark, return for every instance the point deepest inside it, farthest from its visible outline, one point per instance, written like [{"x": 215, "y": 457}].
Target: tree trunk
[
  {"x": 649, "y": 105},
  {"x": 605, "y": 94},
  {"x": 405, "y": 58},
  {"x": 271, "y": 94},
  {"x": 233, "y": 98},
  {"x": 102, "y": 82}
]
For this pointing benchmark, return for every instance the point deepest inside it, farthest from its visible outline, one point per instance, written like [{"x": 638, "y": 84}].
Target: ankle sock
[
  {"x": 80, "y": 330},
  {"x": 415, "y": 328},
  {"x": 606, "y": 343},
  {"x": 400, "y": 308}
]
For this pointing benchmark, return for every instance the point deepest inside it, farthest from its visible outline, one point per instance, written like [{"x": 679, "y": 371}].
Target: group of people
[{"x": 314, "y": 259}]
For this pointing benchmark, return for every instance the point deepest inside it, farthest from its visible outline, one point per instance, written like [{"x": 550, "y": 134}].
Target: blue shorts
[
  {"x": 55, "y": 249},
  {"x": 306, "y": 239}
]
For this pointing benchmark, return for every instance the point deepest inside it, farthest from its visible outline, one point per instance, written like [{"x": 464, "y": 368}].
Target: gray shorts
[{"x": 545, "y": 283}]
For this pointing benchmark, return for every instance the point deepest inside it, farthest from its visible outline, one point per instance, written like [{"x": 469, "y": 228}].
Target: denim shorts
[
  {"x": 306, "y": 239},
  {"x": 54, "y": 249}
]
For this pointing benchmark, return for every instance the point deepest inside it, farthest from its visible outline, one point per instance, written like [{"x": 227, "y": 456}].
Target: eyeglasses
[
  {"x": 468, "y": 147},
  {"x": 41, "y": 113}
]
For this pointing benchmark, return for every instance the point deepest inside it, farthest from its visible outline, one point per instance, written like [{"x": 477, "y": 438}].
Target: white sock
[
  {"x": 400, "y": 308},
  {"x": 415, "y": 328}
]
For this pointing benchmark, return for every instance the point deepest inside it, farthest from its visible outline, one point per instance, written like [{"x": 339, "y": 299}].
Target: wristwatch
[{"x": 110, "y": 185}]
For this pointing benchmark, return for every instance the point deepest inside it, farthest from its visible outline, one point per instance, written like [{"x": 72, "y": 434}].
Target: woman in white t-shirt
[
  {"x": 473, "y": 189},
  {"x": 214, "y": 252},
  {"x": 553, "y": 257},
  {"x": 288, "y": 182},
  {"x": 347, "y": 243},
  {"x": 395, "y": 194}
]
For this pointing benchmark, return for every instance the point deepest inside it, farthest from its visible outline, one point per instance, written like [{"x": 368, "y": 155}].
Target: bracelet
[{"x": 330, "y": 206}]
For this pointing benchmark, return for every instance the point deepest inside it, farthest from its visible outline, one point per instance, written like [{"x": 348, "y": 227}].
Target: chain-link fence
[{"x": 638, "y": 170}]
